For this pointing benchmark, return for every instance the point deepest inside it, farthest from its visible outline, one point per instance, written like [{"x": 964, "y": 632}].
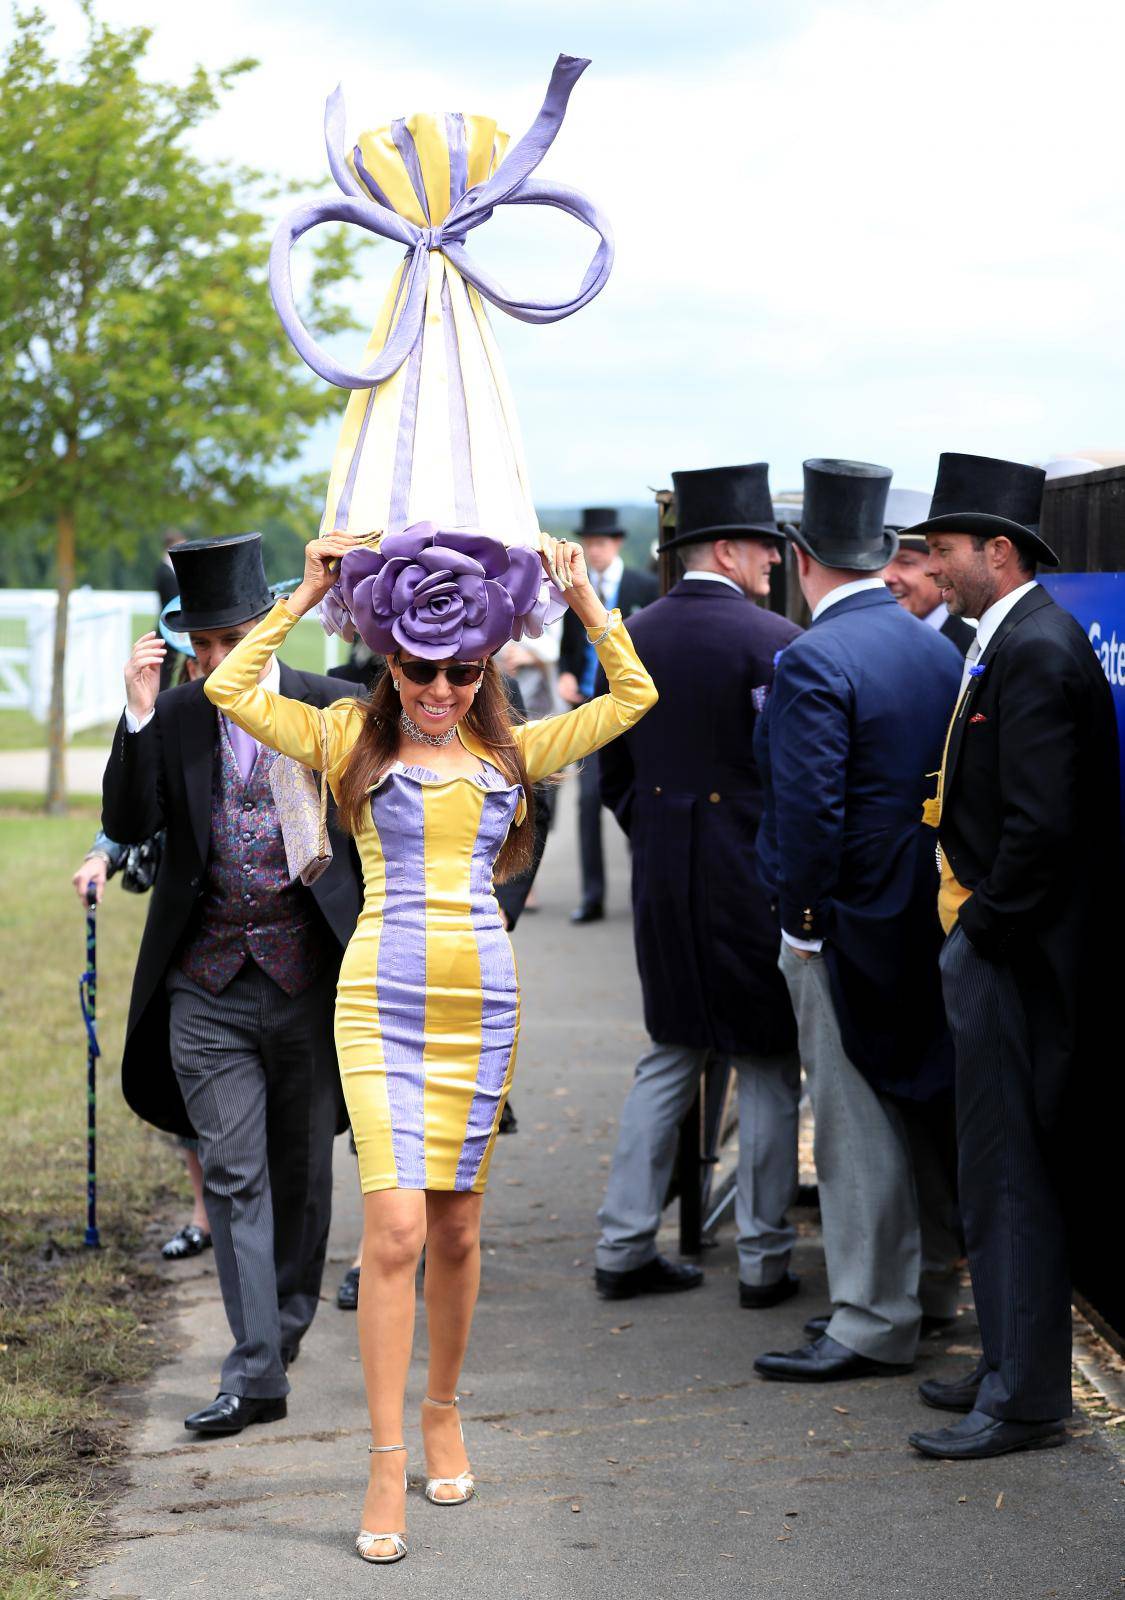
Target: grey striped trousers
[{"x": 257, "y": 1069}]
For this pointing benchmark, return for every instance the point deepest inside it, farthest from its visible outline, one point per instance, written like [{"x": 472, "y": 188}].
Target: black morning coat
[
  {"x": 637, "y": 589},
  {"x": 684, "y": 786},
  {"x": 852, "y": 733},
  {"x": 161, "y": 778},
  {"x": 1030, "y": 824}
]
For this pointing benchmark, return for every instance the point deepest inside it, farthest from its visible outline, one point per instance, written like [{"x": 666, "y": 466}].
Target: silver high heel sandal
[
  {"x": 365, "y": 1541},
  {"x": 464, "y": 1482}
]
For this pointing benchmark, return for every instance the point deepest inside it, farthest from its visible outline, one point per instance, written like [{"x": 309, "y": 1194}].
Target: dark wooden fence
[{"x": 1084, "y": 520}]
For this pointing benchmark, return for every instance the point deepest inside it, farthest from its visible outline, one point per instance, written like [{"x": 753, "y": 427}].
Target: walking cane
[{"x": 88, "y": 999}]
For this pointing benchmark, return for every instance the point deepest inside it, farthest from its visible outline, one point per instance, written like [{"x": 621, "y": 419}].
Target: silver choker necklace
[{"x": 435, "y": 740}]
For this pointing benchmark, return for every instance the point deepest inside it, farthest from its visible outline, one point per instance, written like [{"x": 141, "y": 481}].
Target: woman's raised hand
[
  {"x": 322, "y": 561},
  {"x": 568, "y": 560}
]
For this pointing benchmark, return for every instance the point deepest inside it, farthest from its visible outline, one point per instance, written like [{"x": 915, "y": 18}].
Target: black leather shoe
[
  {"x": 594, "y": 912},
  {"x": 979, "y": 1436},
  {"x": 347, "y": 1295},
  {"x": 289, "y": 1354},
  {"x": 959, "y": 1394},
  {"x": 931, "y": 1326},
  {"x": 508, "y": 1120},
  {"x": 824, "y": 1361},
  {"x": 191, "y": 1240},
  {"x": 230, "y": 1413},
  {"x": 757, "y": 1296},
  {"x": 658, "y": 1276}
]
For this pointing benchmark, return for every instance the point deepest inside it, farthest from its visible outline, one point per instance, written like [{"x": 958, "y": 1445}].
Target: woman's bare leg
[
  {"x": 452, "y": 1284},
  {"x": 394, "y": 1231}
]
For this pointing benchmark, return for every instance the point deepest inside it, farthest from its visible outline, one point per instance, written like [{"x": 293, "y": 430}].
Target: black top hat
[
  {"x": 842, "y": 518},
  {"x": 979, "y": 494},
  {"x": 599, "y": 522},
  {"x": 722, "y": 503},
  {"x": 222, "y": 582}
]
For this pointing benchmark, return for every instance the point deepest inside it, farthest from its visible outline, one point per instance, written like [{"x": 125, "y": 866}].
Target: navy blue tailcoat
[
  {"x": 684, "y": 786},
  {"x": 852, "y": 735}
]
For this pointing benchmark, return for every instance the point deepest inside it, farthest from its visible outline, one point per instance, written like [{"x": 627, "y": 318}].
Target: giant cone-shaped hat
[{"x": 430, "y": 433}]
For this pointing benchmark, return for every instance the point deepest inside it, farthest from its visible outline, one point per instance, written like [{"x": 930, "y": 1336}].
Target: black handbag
[{"x": 141, "y": 863}]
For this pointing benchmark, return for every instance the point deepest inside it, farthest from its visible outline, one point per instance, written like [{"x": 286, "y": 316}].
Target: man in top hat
[
  {"x": 905, "y": 574},
  {"x": 1027, "y": 812},
  {"x": 616, "y": 585},
  {"x": 688, "y": 795},
  {"x": 230, "y": 1024},
  {"x": 854, "y": 723}
]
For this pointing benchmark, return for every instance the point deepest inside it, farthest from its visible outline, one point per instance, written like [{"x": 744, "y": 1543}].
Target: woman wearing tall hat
[
  {"x": 435, "y": 784},
  {"x": 430, "y": 776}
]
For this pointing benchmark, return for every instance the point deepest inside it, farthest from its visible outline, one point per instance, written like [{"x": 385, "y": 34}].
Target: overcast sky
[{"x": 863, "y": 229}]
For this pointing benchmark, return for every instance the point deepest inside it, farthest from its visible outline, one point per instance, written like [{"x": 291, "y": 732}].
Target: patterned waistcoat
[{"x": 248, "y": 910}]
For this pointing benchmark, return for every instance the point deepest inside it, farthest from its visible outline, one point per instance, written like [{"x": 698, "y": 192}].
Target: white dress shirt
[
  {"x": 938, "y": 617},
  {"x": 715, "y": 577},
  {"x": 856, "y": 586},
  {"x": 271, "y": 681},
  {"x": 988, "y": 624},
  {"x": 607, "y": 583}
]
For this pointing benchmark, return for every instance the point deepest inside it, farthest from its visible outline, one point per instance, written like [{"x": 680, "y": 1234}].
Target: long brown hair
[{"x": 489, "y": 718}]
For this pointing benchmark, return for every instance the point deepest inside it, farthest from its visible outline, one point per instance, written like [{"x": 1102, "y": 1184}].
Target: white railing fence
[
  {"x": 99, "y": 638},
  {"x": 101, "y": 627}
]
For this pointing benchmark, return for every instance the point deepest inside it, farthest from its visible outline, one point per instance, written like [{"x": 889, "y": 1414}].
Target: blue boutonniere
[{"x": 978, "y": 670}]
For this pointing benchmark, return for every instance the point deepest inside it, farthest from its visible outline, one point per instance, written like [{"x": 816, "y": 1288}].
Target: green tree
[{"x": 144, "y": 377}]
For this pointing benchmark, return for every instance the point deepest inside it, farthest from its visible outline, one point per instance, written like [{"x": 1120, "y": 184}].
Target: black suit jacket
[
  {"x": 637, "y": 589},
  {"x": 161, "y": 778},
  {"x": 685, "y": 787},
  {"x": 959, "y": 632},
  {"x": 1030, "y": 825}
]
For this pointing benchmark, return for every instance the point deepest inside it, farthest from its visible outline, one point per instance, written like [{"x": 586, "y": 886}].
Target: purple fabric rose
[
  {"x": 443, "y": 595},
  {"x": 335, "y": 618}
]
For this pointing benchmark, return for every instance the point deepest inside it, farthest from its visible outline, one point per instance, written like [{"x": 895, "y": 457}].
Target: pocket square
[{"x": 979, "y": 717}]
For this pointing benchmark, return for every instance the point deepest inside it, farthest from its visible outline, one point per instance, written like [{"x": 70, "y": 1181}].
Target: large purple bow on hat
[
  {"x": 511, "y": 185},
  {"x": 440, "y": 595}
]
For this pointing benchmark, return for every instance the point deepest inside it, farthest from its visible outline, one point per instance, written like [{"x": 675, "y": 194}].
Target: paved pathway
[
  {"x": 623, "y": 1451},
  {"x": 26, "y": 770}
]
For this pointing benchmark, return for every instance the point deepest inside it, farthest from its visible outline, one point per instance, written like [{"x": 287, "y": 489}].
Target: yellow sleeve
[
  {"x": 555, "y": 742},
  {"x": 275, "y": 720}
]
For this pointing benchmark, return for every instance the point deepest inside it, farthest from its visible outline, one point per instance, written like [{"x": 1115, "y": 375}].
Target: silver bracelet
[{"x": 612, "y": 620}]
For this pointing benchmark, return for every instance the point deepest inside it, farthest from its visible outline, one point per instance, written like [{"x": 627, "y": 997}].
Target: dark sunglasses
[{"x": 459, "y": 673}]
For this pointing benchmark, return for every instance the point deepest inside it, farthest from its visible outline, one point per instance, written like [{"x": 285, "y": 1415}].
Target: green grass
[
  {"x": 304, "y": 649},
  {"x": 72, "y": 1320}
]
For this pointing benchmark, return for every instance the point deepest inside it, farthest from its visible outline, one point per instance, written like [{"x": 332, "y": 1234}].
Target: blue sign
[{"x": 1097, "y": 601}]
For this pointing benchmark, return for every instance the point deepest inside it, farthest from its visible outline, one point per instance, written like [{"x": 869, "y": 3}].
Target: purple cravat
[{"x": 245, "y": 748}]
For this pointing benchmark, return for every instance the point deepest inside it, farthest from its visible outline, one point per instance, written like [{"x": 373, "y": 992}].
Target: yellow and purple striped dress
[{"x": 427, "y": 1009}]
